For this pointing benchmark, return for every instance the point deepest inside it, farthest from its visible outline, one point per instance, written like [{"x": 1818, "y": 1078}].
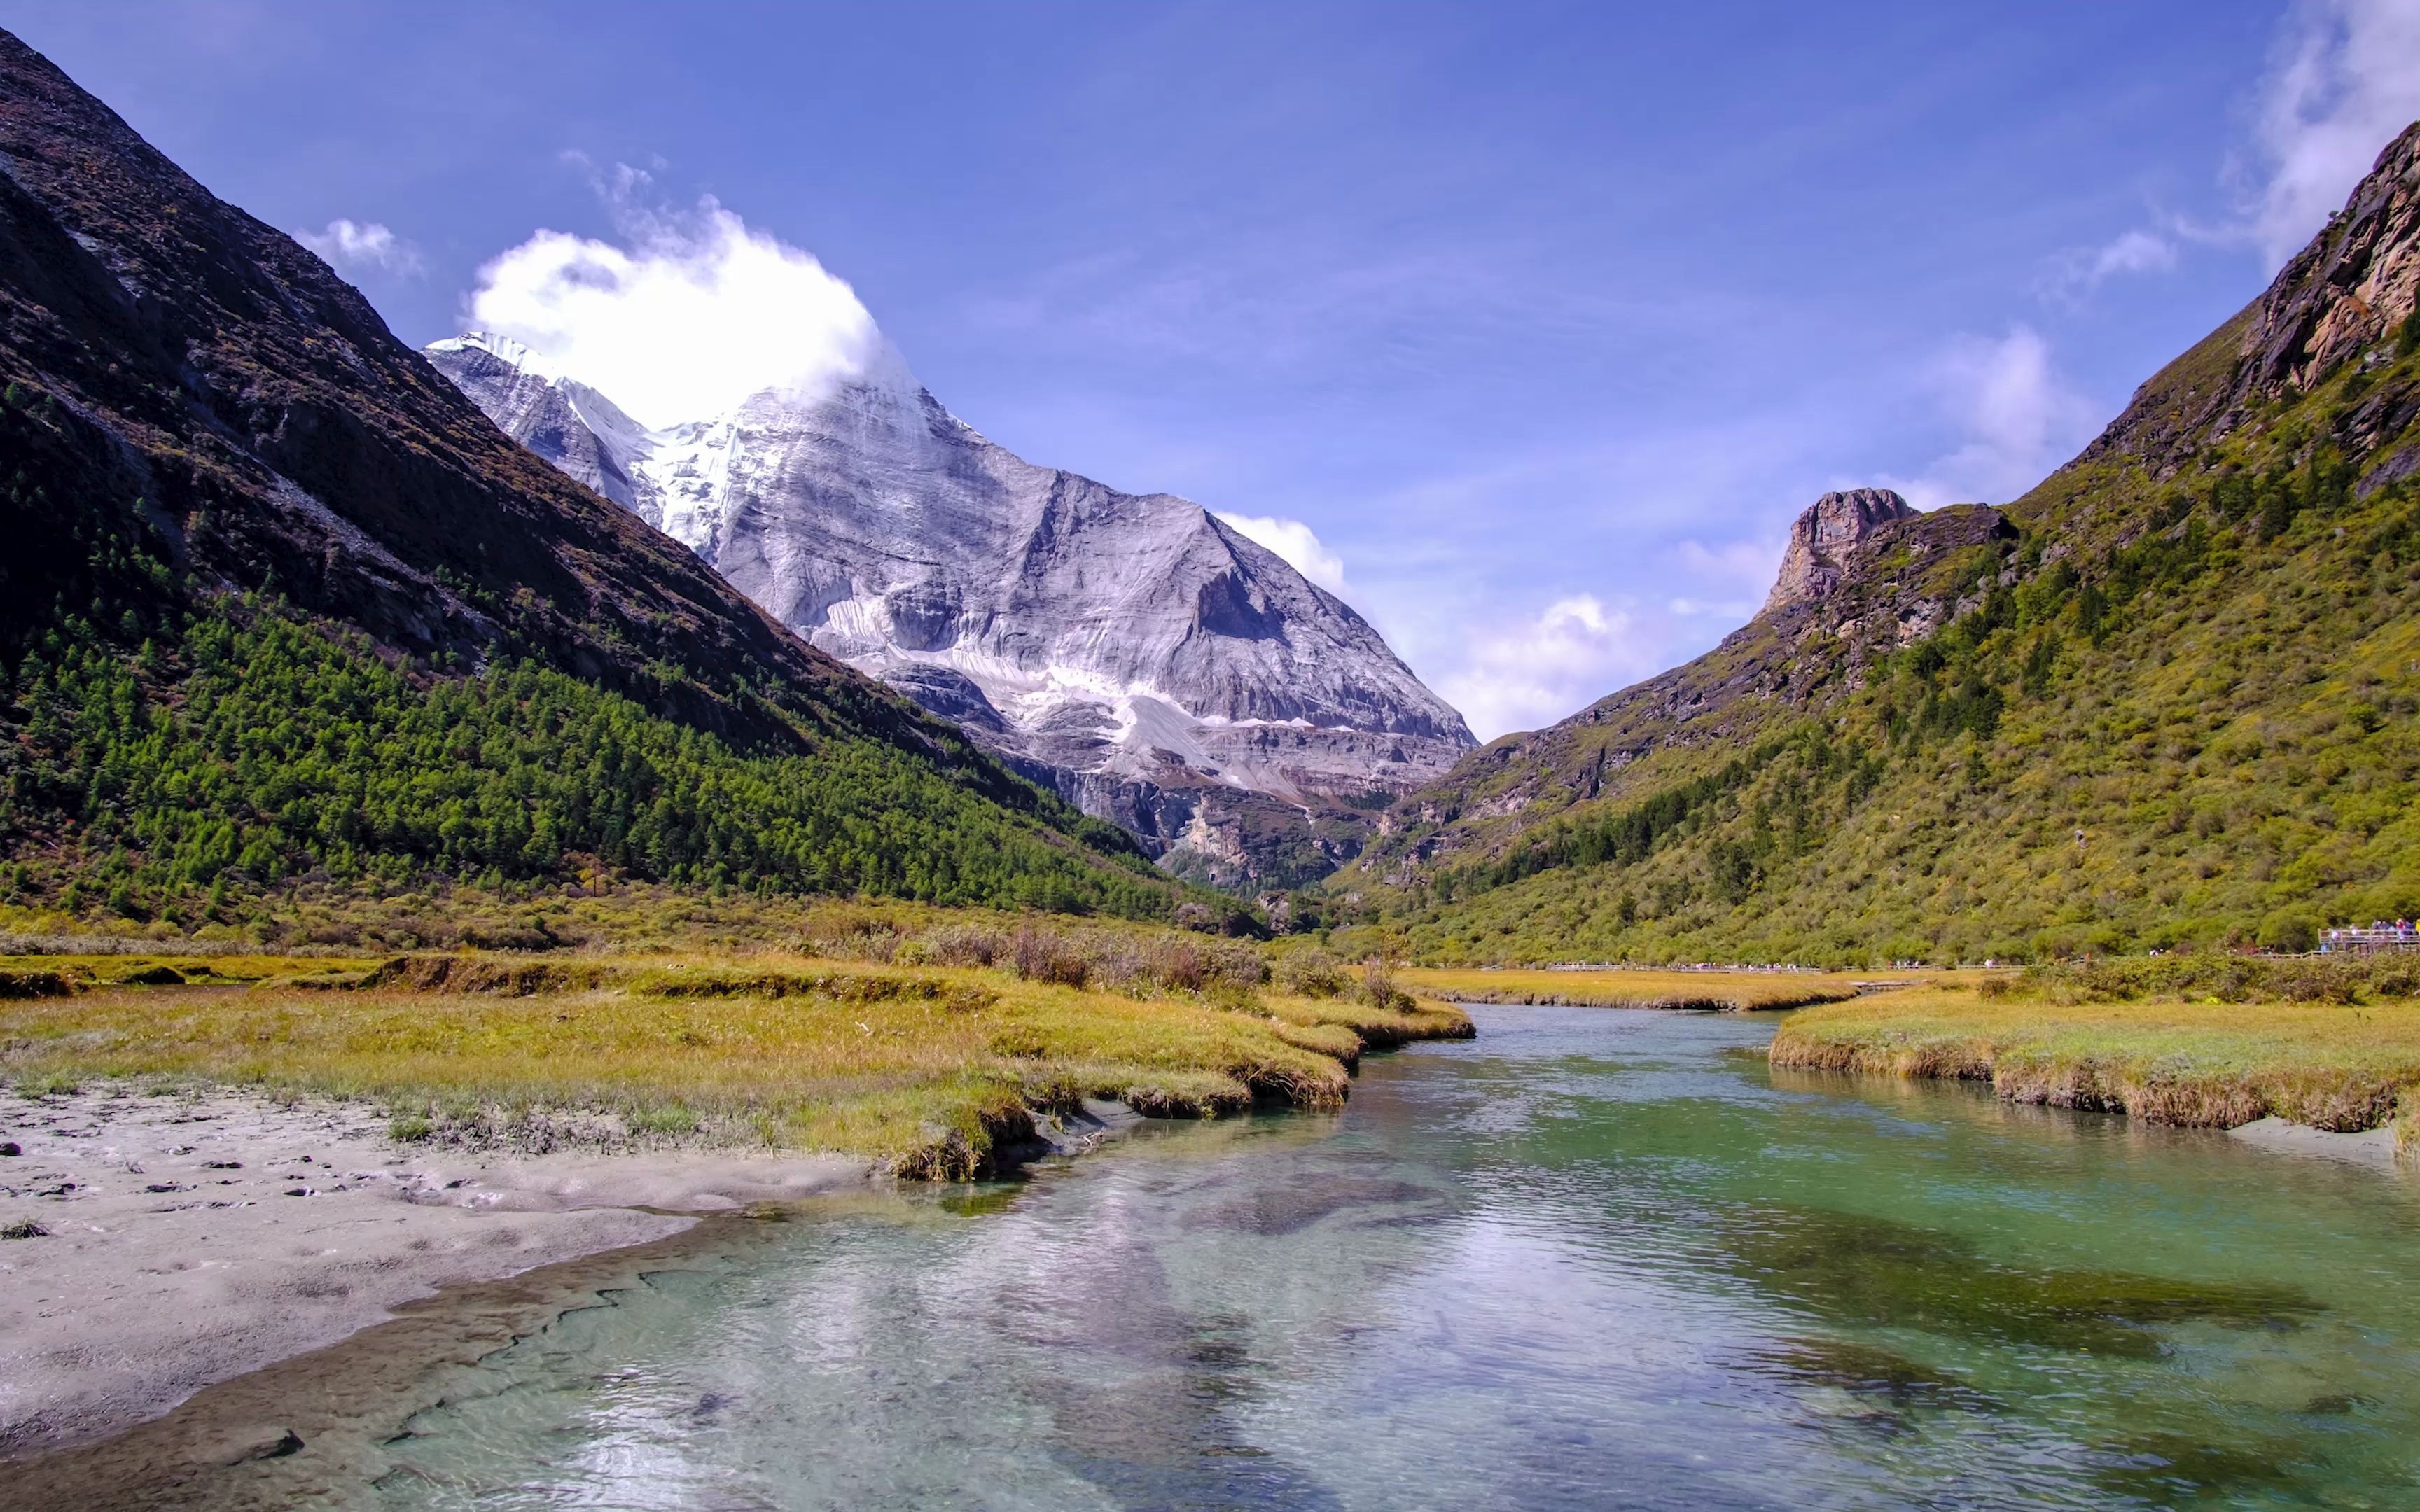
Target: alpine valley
[{"x": 797, "y": 960}]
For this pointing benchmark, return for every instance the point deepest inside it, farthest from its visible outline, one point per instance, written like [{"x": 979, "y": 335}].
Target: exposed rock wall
[{"x": 1825, "y": 536}]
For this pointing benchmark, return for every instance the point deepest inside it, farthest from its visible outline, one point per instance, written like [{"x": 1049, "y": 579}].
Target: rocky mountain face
[
  {"x": 1133, "y": 652},
  {"x": 204, "y": 424},
  {"x": 2165, "y": 698},
  {"x": 1823, "y": 539}
]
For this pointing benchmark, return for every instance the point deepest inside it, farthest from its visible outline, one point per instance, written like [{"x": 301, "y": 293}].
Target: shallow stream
[{"x": 1594, "y": 1259}]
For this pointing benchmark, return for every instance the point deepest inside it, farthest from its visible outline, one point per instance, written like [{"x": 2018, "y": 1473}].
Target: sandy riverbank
[
  {"x": 189, "y": 1238},
  {"x": 2367, "y": 1146}
]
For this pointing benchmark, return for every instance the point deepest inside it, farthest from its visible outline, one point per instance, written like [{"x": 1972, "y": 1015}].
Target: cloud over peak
[
  {"x": 694, "y": 312},
  {"x": 2019, "y": 416},
  {"x": 1297, "y": 544},
  {"x": 1529, "y": 671}
]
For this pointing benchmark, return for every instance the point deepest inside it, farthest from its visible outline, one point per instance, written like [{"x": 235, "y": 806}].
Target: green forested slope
[
  {"x": 253, "y": 749},
  {"x": 2170, "y": 699}
]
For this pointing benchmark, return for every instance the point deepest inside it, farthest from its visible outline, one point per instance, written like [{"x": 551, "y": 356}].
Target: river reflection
[{"x": 1593, "y": 1259}]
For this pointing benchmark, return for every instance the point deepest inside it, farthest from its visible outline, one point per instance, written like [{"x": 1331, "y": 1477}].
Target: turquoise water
[{"x": 1594, "y": 1259}]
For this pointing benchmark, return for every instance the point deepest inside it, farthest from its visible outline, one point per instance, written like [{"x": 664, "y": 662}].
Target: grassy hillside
[{"x": 2166, "y": 699}]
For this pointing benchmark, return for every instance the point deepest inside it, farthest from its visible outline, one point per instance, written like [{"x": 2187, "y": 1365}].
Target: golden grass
[
  {"x": 1731, "y": 991},
  {"x": 99, "y": 970},
  {"x": 931, "y": 1070},
  {"x": 318, "y": 919},
  {"x": 2208, "y": 1064}
]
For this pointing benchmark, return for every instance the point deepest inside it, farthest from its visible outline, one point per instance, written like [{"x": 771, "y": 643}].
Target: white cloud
[
  {"x": 1531, "y": 673},
  {"x": 2346, "y": 80},
  {"x": 2018, "y": 415},
  {"x": 694, "y": 314},
  {"x": 2077, "y": 273},
  {"x": 1295, "y": 541},
  {"x": 353, "y": 246}
]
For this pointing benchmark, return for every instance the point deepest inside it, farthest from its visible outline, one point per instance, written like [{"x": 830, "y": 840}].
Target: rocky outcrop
[
  {"x": 1823, "y": 539},
  {"x": 2350, "y": 289},
  {"x": 1865, "y": 575},
  {"x": 1133, "y": 651}
]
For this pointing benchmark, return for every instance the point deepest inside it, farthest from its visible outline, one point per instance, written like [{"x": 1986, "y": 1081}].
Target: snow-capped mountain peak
[{"x": 1124, "y": 646}]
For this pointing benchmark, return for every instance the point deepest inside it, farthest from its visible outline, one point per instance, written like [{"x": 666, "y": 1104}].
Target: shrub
[
  {"x": 1312, "y": 974},
  {"x": 1043, "y": 955},
  {"x": 958, "y": 944},
  {"x": 36, "y": 985},
  {"x": 2290, "y": 930},
  {"x": 1378, "y": 987},
  {"x": 1179, "y": 967}
]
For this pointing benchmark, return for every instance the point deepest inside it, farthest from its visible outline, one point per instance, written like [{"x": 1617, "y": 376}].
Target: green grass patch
[
  {"x": 932, "y": 1071},
  {"x": 2333, "y": 1066}
]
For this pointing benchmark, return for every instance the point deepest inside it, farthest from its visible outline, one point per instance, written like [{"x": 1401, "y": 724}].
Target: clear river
[{"x": 1593, "y": 1259}]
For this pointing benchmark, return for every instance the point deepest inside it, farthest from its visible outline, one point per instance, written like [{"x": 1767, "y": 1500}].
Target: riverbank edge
[
  {"x": 2225, "y": 1101},
  {"x": 284, "y": 1433},
  {"x": 1683, "y": 1002}
]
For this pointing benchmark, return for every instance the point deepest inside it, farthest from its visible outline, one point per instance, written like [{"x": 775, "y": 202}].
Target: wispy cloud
[
  {"x": 1531, "y": 670},
  {"x": 2345, "y": 80},
  {"x": 1284, "y": 299},
  {"x": 361, "y": 246},
  {"x": 1298, "y": 544},
  {"x": 2019, "y": 416},
  {"x": 693, "y": 313},
  {"x": 2081, "y": 270}
]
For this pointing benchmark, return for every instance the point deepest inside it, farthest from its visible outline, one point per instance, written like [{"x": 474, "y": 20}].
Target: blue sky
[{"x": 1534, "y": 325}]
